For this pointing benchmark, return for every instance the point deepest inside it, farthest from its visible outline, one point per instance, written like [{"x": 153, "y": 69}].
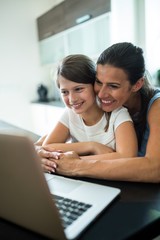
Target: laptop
[{"x": 37, "y": 201}]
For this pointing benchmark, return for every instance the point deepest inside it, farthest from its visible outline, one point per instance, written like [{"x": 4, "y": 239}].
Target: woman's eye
[
  {"x": 98, "y": 82},
  {"x": 113, "y": 86}
]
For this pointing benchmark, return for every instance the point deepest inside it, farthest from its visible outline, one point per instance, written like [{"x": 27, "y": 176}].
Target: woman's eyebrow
[
  {"x": 97, "y": 79},
  {"x": 108, "y": 83},
  {"x": 114, "y": 83}
]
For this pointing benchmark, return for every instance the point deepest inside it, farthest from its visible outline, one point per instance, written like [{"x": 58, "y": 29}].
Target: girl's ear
[{"x": 138, "y": 85}]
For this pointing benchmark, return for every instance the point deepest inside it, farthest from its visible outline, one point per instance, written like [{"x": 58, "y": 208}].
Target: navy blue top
[{"x": 142, "y": 150}]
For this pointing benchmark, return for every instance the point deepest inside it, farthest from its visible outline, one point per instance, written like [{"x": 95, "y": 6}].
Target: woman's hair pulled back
[{"x": 126, "y": 56}]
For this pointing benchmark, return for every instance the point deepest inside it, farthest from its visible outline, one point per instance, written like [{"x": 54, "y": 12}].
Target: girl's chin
[{"x": 78, "y": 111}]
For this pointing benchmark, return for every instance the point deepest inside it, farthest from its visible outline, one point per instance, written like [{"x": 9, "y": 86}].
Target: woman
[
  {"x": 121, "y": 80},
  {"x": 90, "y": 130}
]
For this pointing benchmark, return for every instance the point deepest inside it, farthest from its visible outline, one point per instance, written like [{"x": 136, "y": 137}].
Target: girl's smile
[{"x": 79, "y": 97}]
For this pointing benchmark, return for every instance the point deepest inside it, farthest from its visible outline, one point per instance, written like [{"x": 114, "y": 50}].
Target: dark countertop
[{"x": 50, "y": 102}]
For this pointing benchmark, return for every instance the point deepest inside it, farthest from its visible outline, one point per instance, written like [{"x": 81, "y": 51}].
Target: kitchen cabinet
[
  {"x": 52, "y": 22},
  {"x": 52, "y": 49},
  {"x": 89, "y": 38},
  {"x": 64, "y": 15},
  {"x": 45, "y": 117},
  {"x": 76, "y": 9}
]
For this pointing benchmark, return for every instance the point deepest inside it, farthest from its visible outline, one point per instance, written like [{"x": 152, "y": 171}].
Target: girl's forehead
[{"x": 65, "y": 83}]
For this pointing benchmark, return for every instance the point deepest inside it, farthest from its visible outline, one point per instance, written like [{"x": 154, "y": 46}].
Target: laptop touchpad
[{"x": 60, "y": 184}]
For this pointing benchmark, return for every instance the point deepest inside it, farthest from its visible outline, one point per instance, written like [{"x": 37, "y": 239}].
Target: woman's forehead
[{"x": 106, "y": 72}]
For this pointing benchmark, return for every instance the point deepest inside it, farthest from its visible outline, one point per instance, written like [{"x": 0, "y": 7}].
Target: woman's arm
[{"x": 139, "y": 169}]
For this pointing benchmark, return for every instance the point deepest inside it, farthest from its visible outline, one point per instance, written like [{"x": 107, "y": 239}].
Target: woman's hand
[{"x": 67, "y": 164}]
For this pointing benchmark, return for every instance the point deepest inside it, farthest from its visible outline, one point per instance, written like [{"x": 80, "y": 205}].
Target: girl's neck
[{"x": 93, "y": 115}]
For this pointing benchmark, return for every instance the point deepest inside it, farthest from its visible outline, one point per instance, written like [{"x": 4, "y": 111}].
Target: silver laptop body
[{"x": 26, "y": 192}]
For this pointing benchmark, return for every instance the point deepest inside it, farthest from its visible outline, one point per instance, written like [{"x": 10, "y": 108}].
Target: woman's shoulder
[{"x": 155, "y": 96}]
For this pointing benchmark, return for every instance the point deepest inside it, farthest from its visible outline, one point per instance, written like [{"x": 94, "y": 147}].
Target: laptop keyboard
[{"x": 70, "y": 209}]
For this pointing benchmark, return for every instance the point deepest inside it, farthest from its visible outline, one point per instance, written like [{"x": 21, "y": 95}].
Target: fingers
[
  {"x": 48, "y": 165},
  {"x": 51, "y": 149},
  {"x": 46, "y": 154}
]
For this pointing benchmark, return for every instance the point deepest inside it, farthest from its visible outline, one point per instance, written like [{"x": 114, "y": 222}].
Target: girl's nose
[{"x": 72, "y": 97}]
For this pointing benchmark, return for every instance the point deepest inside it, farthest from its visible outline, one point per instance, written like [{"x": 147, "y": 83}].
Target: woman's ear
[{"x": 138, "y": 85}]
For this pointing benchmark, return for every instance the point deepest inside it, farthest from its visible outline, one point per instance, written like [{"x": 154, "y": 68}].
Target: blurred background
[{"x": 35, "y": 35}]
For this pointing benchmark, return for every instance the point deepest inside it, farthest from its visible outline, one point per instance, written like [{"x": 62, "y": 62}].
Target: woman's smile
[{"x": 112, "y": 87}]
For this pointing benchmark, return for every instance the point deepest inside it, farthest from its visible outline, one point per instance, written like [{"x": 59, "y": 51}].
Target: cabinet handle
[{"x": 83, "y": 18}]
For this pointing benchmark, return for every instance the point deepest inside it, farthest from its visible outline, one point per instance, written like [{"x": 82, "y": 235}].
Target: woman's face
[
  {"x": 112, "y": 87},
  {"x": 79, "y": 97}
]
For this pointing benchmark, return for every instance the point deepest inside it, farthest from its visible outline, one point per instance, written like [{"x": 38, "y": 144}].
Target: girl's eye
[
  {"x": 78, "y": 89},
  {"x": 64, "y": 93}
]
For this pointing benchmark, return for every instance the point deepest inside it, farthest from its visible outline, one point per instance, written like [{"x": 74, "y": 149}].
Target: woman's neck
[{"x": 134, "y": 103}]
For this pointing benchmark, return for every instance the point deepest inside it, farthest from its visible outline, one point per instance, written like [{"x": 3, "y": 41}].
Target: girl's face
[
  {"x": 79, "y": 97},
  {"x": 112, "y": 87}
]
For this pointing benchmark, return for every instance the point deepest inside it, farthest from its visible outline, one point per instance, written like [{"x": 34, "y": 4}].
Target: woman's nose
[{"x": 102, "y": 92}]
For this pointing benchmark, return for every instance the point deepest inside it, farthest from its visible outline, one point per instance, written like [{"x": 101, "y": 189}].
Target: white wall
[
  {"x": 20, "y": 70},
  {"x": 127, "y": 21},
  {"x": 138, "y": 21},
  {"x": 152, "y": 18}
]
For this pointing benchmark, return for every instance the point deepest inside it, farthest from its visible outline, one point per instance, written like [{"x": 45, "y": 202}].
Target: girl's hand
[
  {"x": 47, "y": 158},
  {"x": 98, "y": 148},
  {"x": 69, "y": 155}
]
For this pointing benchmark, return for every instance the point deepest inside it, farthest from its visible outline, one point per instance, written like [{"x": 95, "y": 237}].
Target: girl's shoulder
[
  {"x": 120, "y": 110},
  {"x": 120, "y": 113}
]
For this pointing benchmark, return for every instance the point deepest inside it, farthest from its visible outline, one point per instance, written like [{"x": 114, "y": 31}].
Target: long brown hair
[{"x": 130, "y": 58}]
